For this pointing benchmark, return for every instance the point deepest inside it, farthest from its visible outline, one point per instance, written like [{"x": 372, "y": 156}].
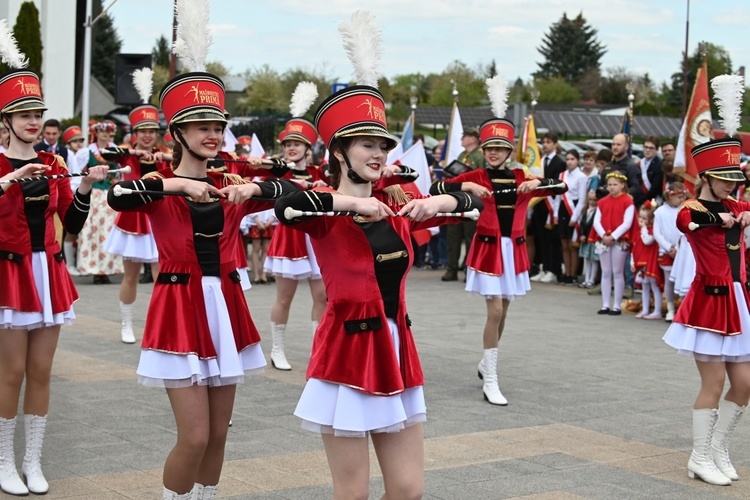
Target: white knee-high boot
[
  {"x": 701, "y": 463},
  {"x": 729, "y": 415},
  {"x": 278, "y": 357},
  {"x": 34, "y": 425},
  {"x": 491, "y": 389},
  {"x": 10, "y": 482},
  {"x": 126, "y": 333}
]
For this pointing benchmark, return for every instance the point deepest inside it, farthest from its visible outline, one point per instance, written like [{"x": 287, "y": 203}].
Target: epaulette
[
  {"x": 527, "y": 174},
  {"x": 694, "y": 205},
  {"x": 396, "y": 195},
  {"x": 233, "y": 179},
  {"x": 60, "y": 162},
  {"x": 153, "y": 175}
]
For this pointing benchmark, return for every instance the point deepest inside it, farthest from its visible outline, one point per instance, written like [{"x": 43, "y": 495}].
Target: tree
[
  {"x": 556, "y": 90},
  {"x": 265, "y": 93},
  {"x": 570, "y": 50},
  {"x": 718, "y": 62},
  {"x": 161, "y": 53},
  {"x": 492, "y": 69},
  {"x": 28, "y": 33},
  {"x": 471, "y": 87},
  {"x": 105, "y": 45},
  {"x": 217, "y": 68}
]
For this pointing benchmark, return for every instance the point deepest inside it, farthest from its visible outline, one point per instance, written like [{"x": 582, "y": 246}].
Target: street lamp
[{"x": 534, "y": 99}]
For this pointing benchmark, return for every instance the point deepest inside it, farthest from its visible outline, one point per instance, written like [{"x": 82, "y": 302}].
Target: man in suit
[
  {"x": 651, "y": 172},
  {"x": 50, "y": 143},
  {"x": 623, "y": 163},
  {"x": 547, "y": 240}
]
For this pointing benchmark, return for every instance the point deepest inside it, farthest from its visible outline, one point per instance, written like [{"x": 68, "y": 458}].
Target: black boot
[{"x": 147, "y": 277}]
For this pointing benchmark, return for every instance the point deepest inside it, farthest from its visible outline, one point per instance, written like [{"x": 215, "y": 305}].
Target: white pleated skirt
[
  {"x": 508, "y": 286},
  {"x": 12, "y": 319},
  {"x": 173, "y": 371},
  {"x": 135, "y": 247},
  {"x": 710, "y": 346},
  {"x": 295, "y": 269},
  {"x": 683, "y": 268},
  {"x": 329, "y": 408}
]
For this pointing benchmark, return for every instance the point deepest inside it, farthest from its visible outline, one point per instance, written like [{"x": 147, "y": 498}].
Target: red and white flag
[{"x": 696, "y": 129}]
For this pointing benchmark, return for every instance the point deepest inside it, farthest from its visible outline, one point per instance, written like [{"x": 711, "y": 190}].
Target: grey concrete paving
[{"x": 599, "y": 406}]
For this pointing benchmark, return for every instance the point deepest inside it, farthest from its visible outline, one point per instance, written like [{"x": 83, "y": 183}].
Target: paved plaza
[{"x": 599, "y": 406}]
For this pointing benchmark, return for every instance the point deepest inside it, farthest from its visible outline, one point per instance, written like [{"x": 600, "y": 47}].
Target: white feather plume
[
  {"x": 143, "y": 81},
  {"x": 303, "y": 97},
  {"x": 497, "y": 90},
  {"x": 9, "y": 52},
  {"x": 728, "y": 90},
  {"x": 193, "y": 37},
  {"x": 362, "y": 39}
]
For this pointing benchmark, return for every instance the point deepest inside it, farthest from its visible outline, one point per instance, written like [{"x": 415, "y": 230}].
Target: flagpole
[{"x": 450, "y": 126}]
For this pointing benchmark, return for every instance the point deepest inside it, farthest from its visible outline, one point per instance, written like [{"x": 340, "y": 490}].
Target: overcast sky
[{"x": 426, "y": 35}]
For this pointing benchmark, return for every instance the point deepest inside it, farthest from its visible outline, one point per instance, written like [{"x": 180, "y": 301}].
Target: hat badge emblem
[{"x": 195, "y": 90}]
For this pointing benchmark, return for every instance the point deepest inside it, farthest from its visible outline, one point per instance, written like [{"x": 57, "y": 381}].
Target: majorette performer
[
  {"x": 364, "y": 376},
  {"x": 131, "y": 235},
  {"x": 37, "y": 294},
  {"x": 713, "y": 323},
  {"x": 497, "y": 265},
  {"x": 199, "y": 339},
  {"x": 290, "y": 256}
]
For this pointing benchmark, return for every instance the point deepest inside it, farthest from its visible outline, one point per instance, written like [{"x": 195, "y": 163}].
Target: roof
[{"x": 583, "y": 123}]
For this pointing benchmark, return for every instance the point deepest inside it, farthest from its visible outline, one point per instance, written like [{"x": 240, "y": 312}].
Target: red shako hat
[
  {"x": 20, "y": 91},
  {"x": 299, "y": 129},
  {"x": 72, "y": 133},
  {"x": 720, "y": 159},
  {"x": 245, "y": 140},
  {"x": 497, "y": 132},
  {"x": 145, "y": 116},
  {"x": 354, "y": 111},
  {"x": 193, "y": 97}
]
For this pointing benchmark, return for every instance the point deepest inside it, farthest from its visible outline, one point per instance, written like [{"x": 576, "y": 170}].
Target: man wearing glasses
[{"x": 651, "y": 172}]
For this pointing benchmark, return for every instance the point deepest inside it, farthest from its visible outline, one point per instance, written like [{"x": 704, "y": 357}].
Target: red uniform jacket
[
  {"x": 612, "y": 212},
  {"x": 176, "y": 321},
  {"x": 134, "y": 222},
  {"x": 352, "y": 345},
  {"x": 711, "y": 303},
  {"x": 485, "y": 254},
  {"x": 646, "y": 257},
  {"x": 18, "y": 290}
]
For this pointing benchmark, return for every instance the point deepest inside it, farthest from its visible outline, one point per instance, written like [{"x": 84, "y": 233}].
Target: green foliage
[
  {"x": 472, "y": 91},
  {"x": 106, "y": 43},
  {"x": 718, "y": 62},
  {"x": 217, "y": 68},
  {"x": 161, "y": 53},
  {"x": 28, "y": 33},
  {"x": 570, "y": 50},
  {"x": 556, "y": 90}
]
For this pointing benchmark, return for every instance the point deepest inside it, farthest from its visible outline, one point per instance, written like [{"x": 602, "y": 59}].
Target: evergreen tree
[
  {"x": 161, "y": 53},
  {"x": 28, "y": 33},
  {"x": 570, "y": 50},
  {"x": 492, "y": 69},
  {"x": 106, "y": 43}
]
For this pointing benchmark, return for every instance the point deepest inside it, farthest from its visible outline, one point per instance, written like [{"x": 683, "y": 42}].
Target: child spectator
[
  {"x": 570, "y": 206},
  {"x": 586, "y": 251},
  {"x": 668, "y": 237},
  {"x": 645, "y": 262}
]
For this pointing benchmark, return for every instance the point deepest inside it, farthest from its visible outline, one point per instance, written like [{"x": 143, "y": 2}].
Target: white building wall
[{"x": 57, "y": 19}]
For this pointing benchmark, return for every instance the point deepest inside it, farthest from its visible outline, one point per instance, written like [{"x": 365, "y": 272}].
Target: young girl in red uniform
[
  {"x": 713, "y": 323},
  {"x": 497, "y": 265},
  {"x": 611, "y": 233},
  {"x": 646, "y": 263},
  {"x": 131, "y": 235},
  {"x": 199, "y": 339},
  {"x": 37, "y": 294}
]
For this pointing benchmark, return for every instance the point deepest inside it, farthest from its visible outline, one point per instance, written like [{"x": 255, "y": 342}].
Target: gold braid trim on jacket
[
  {"x": 396, "y": 195},
  {"x": 694, "y": 205}
]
